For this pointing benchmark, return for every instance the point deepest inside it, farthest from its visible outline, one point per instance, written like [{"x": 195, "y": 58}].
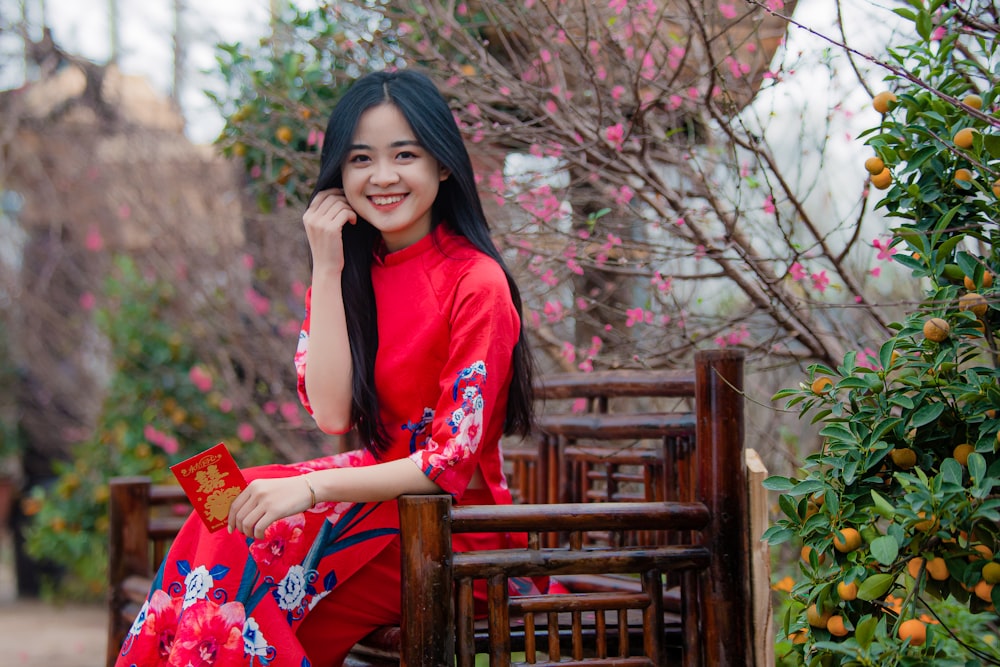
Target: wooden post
[
  {"x": 763, "y": 616},
  {"x": 128, "y": 549},
  {"x": 725, "y": 586},
  {"x": 428, "y": 615}
]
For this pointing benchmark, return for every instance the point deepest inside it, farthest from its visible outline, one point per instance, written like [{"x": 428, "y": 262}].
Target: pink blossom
[
  {"x": 225, "y": 405},
  {"x": 247, "y": 260},
  {"x": 617, "y": 92},
  {"x": 876, "y": 272},
  {"x": 270, "y": 407},
  {"x": 574, "y": 267},
  {"x": 635, "y": 316},
  {"x": 88, "y": 300},
  {"x": 618, "y": 6},
  {"x": 290, "y": 413},
  {"x": 245, "y": 432},
  {"x": 868, "y": 358},
  {"x": 624, "y": 195},
  {"x": 124, "y": 211},
  {"x": 885, "y": 249},
  {"x": 546, "y": 55},
  {"x": 649, "y": 68},
  {"x": 200, "y": 378},
  {"x": 554, "y": 311},
  {"x": 551, "y": 106},
  {"x": 257, "y": 301},
  {"x": 587, "y": 365},
  {"x": 679, "y": 222},
  {"x": 769, "y": 205},
  {"x": 615, "y": 135},
  {"x": 797, "y": 271},
  {"x": 820, "y": 281},
  {"x": 738, "y": 337},
  {"x": 568, "y": 352},
  {"x": 775, "y": 5},
  {"x": 170, "y": 445},
  {"x": 579, "y": 405},
  {"x": 94, "y": 241},
  {"x": 939, "y": 33},
  {"x": 727, "y": 10}
]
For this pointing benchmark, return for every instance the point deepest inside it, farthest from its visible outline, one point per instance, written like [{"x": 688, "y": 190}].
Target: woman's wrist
[{"x": 312, "y": 491}]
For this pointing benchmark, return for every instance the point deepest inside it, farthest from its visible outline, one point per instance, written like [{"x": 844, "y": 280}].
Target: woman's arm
[
  {"x": 265, "y": 501},
  {"x": 328, "y": 373}
]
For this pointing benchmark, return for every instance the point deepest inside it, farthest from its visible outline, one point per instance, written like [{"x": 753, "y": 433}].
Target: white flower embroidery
[
  {"x": 470, "y": 431},
  {"x": 254, "y": 642},
  {"x": 140, "y": 619},
  {"x": 197, "y": 584},
  {"x": 292, "y": 589}
]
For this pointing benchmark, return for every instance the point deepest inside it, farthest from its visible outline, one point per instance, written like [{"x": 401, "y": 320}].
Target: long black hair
[{"x": 431, "y": 120}]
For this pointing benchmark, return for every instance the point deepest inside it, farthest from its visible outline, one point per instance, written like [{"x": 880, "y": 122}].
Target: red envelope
[{"x": 211, "y": 480}]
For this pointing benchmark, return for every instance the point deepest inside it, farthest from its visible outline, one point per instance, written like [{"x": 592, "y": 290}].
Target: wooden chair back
[{"x": 712, "y": 565}]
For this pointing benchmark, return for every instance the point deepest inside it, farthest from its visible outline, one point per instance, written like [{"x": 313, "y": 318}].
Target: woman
[{"x": 413, "y": 336}]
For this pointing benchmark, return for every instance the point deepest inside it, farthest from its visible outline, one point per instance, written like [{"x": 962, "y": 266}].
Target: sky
[{"x": 146, "y": 33}]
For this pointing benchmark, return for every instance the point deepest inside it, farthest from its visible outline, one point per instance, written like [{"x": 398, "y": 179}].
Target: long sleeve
[
  {"x": 474, "y": 379},
  {"x": 301, "y": 352}
]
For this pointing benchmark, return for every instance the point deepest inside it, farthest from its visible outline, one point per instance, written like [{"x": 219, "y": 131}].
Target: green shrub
[
  {"x": 900, "y": 498},
  {"x": 163, "y": 405}
]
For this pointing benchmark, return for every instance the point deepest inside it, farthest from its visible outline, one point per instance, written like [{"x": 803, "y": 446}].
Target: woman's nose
[{"x": 384, "y": 174}]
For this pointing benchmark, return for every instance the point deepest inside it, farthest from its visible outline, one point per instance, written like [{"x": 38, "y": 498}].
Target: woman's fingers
[{"x": 265, "y": 501}]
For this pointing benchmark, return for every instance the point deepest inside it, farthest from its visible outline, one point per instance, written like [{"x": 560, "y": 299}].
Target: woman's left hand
[{"x": 265, "y": 501}]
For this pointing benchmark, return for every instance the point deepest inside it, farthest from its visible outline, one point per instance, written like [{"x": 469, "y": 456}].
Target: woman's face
[{"x": 389, "y": 179}]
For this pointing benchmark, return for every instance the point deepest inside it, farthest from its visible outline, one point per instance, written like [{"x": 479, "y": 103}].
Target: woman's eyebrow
[{"x": 395, "y": 144}]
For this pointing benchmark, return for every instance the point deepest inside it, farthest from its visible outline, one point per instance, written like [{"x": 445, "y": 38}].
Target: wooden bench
[{"x": 642, "y": 514}]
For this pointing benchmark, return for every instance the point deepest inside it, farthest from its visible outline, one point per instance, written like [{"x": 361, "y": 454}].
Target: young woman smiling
[{"x": 412, "y": 335}]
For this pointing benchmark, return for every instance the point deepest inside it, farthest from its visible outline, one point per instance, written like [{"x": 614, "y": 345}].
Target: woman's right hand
[{"x": 326, "y": 216}]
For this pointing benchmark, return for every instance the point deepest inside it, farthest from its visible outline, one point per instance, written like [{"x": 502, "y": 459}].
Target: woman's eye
[
  {"x": 407, "y": 155},
  {"x": 356, "y": 159}
]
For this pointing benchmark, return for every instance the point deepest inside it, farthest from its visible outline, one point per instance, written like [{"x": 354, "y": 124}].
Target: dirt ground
[{"x": 36, "y": 634}]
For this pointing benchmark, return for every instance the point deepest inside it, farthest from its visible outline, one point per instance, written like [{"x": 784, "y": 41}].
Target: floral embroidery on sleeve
[{"x": 466, "y": 422}]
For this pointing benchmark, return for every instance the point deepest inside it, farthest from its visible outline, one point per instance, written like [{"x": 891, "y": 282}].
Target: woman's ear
[{"x": 443, "y": 173}]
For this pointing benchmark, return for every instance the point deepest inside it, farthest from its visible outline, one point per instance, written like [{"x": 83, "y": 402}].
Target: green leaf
[
  {"x": 992, "y": 144},
  {"x": 926, "y": 414},
  {"x": 977, "y": 468},
  {"x": 777, "y": 535},
  {"x": 875, "y": 586},
  {"x": 883, "y": 506},
  {"x": 945, "y": 249},
  {"x": 864, "y": 631},
  {"x": 778, "y": 483},
  {"x": 838, "y": 432},
  {"x": 885, "y": 550},
  {"x": 808, "y": 486}
]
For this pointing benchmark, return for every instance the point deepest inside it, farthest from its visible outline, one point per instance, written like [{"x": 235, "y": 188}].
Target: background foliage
[{"x": 897, "y": 513}]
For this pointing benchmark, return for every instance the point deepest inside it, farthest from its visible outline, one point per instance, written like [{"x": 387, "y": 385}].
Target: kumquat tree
[{"x": 898, "y": 513}]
